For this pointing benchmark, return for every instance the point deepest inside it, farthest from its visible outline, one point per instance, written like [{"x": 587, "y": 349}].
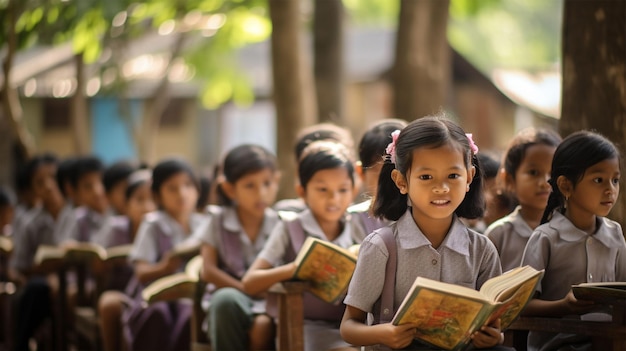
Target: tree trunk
[
  {"x": 328, "y": 64},
  {"x": 146, "y": 131},
  {"x": 594, "y": 74},
  {"x": 10, "y": 99},
  {"x": 421, "y": 71},
  {"x": 79, "y": 110},
  {"x": 292, "y": 86}
]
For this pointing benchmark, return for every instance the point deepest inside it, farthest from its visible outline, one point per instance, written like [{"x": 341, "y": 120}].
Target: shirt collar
[
  {"x": 521, "y": 227},
  {"x": 232, "y": 224},
  {"x": 311, "y": 227},
  {"x": 410, "y": 236},
  {"x": 569, "y": 232}
]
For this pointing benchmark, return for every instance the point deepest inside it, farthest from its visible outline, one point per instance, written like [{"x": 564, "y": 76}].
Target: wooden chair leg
[{"x": 290, "y": 328}]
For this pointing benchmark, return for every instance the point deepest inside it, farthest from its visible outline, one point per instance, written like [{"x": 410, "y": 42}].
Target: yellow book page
[
  {"x": 443, "y": 320},
  {"x": 329, "y": 271},
  {"x": 510, "y": 308}
]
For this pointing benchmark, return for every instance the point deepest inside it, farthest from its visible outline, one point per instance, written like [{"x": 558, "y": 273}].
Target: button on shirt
[{"x": 465, "y": 257}]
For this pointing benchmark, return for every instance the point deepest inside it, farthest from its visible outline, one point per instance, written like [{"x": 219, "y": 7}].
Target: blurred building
[{"x": 493, "y": 108}]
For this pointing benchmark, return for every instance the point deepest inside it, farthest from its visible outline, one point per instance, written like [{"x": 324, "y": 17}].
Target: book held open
[
  {"x": 175, "y": 286},
  {"x": 447, "y": 314},
  {"x": 327, "y": 266}
]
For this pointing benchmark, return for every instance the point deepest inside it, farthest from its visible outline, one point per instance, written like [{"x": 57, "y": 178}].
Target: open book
[
  {"x": 447, "y": 314},
  {"x": 80, "y": 252},
  {"x": 6, "y": 244},
  {"x": 175, "y": 286},
  {"x": 327, "y": 266},
  {"x": 606, "y": 292}
]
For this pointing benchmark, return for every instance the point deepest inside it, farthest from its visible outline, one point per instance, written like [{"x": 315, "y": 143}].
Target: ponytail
[
  {"x": 555, "y": 200},
  {"x": 389, "y": 202}
]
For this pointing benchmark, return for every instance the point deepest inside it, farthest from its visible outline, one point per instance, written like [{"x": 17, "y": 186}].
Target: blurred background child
[
  {"x": 232, "y": 239},
  {"x": 371, "y": 158},
  {"x": 121, "y": 230},
  {"x": 526, "y": 171},
  {"x": 327, "y": 186},
  {"x": 162, "y": 325}
]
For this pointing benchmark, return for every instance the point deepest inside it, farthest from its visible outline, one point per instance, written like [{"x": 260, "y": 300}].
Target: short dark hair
[
  {"x": 322, "y": 131},
  {"x": 165, "y": 169},
  {"x": 37, "y": 161},
  {"x": 84, "y": 165},
  {"x": 321, "y": 155},
  {"x": 117, "y": 172},
  {"x": 375, "y": 140},
  {"x": 514, "y": 155},
  {"x": 242, "y": 160}
]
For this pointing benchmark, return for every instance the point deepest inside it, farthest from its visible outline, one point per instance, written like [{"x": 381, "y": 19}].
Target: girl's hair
[
  {"x": 321, "y": 155},
  {"x": 576, "y": 153},
  {"x": 322, "y": 131},
  {"x": 168, "y": 168},
  {"x": 136, "y": 180},
  {"x": 117, "y": 172},
  {"x": 375, "y": 140},
  {"x": 243, "y": 160},
  {"x": 526, "y": 138},
  {"x": 428, "y": 132},
  {"x": 83, "y": 166}
]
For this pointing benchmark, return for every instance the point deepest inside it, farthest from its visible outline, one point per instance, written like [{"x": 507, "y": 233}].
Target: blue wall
[{"x": 111, "y": 138}]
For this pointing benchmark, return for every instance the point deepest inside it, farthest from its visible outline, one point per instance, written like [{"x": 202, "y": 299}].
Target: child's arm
[
  {"x": 262, "y": 275},
  {"x": 147, "y": 272},
  {"x": 558, "y": 308},
  {"x": 488, "y": 336},
  {"x": 212, "y": 274},
  {"x": 354, "y": 331}
]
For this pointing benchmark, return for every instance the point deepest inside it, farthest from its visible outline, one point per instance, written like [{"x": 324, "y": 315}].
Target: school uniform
[
  {"x": 465, "y": 258},
  {"x": 571, "y": 256},
  {"x": 42, "y": 229},
  {"x": 66, "y": 223},
  {"x": 321, "y": 324},
  {"x": 115, "y": 231},
  {"x": 162, "y": 325},
  {"x": 360, "y": 214},
  {"x": 230, "y": 311},
  {"x": 88, "y": 224},
  {"x": 510, "y": 235},
  {"x": 33, "y": 301}
]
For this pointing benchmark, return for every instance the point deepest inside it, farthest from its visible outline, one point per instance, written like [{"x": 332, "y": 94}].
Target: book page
[
  {"x": 513, "y": 305},
  {"x": 328, "y": 269},
  {"x": 443, "y": 320}
]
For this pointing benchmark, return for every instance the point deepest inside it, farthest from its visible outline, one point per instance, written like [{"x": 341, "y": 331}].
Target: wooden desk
[{"x": 604, "y": 335}]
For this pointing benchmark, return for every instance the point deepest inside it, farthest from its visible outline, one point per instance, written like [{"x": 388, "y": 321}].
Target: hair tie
[
  {"x": 472, "y": 145},
  {"x": 391, "y": 148}
]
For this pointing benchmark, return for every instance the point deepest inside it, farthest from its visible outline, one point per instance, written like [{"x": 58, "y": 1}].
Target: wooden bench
[{"x": 604, "y": 335}]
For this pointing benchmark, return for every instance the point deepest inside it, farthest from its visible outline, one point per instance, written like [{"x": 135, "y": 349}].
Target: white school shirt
[
  {"x": 66, "y": 223},
  {"x": 465, "y": 258},
  {"x": 210, "y": 232},
  {"x": 146, "y": 246},
  {"x": 279, "y": 241},
  {"x": 40, "y": 230},
  {"x": 571, "y": 256},
  {"x": 510, "y": 235}
]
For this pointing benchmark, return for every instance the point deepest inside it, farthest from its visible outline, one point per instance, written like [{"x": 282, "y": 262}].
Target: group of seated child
[{"x": 546, "y": 206}]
